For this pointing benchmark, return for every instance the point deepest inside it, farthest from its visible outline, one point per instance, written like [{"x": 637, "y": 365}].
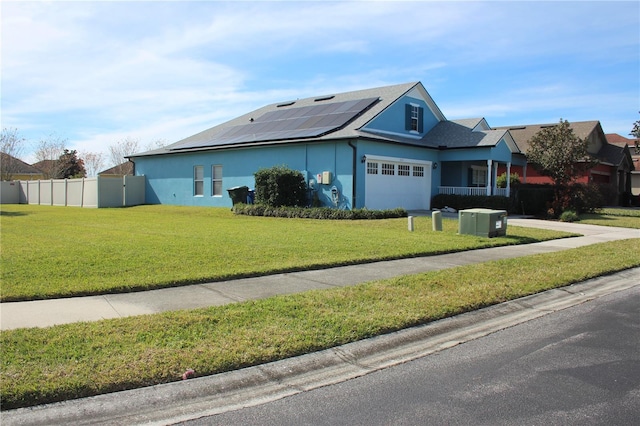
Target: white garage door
[{"x": 395, "y": 182}]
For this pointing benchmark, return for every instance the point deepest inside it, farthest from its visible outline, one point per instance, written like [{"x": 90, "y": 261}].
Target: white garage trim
[{"x": 392, "y": 182}]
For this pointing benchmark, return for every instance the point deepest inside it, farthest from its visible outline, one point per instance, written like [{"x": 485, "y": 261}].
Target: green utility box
[{"x": 482, "y": 222}]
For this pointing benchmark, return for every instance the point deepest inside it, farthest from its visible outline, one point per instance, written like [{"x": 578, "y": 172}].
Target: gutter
[{"x": 354, "y": 173}]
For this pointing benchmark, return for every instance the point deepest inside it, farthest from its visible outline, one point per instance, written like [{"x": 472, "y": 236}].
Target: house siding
[
  {"x": 172, "y": 182},
  {"x": 393, "y": 119}
]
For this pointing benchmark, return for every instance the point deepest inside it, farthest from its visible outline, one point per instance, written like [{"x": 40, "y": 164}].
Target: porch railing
[
  {"x": 469, "y": 190},
  {"x": 463, "y": 190}
]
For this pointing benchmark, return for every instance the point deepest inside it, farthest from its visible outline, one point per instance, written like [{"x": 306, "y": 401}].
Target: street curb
[{"x": 180, "y": 401}]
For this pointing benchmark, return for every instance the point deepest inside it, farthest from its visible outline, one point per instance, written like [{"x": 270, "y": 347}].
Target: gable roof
[
  {"x": 616, "y": 139},
  {"x": 18, "y": 166},
  {"x": 465, "y": 134},
  {"x": 276, "y": 123},
  {"x": 122, "y": 169},
  {"x": 522, "y": 134},
  {"x": 338, "y": 116},
  {"x": 607, "y": 153}
]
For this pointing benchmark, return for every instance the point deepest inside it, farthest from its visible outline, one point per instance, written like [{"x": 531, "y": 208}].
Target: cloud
[{"x": 101, "y": 71}]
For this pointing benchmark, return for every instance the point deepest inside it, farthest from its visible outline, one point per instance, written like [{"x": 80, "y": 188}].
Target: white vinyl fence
[{"x": 96, "y": 192}]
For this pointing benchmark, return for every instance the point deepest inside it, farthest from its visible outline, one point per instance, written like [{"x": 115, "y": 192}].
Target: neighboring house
[
  {"x": 634, "y": 148},
  {"x": 49, "y": 168},
  {"x": 378, "y": 148},
  {"x": 123, "y": 169},
  {"x": 16, "y": 169},
  {"x": 614, "y": 163}
]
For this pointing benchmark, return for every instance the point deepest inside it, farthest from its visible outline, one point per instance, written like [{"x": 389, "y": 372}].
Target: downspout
[{"x": 354, "y": 174}]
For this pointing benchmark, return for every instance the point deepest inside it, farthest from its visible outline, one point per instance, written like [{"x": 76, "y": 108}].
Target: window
[
  {"x": 478, "y": 176},
  {"x": 413, "y": 118},
  {"x": 388, "y": 169},
  {"x": 198, "y": 181},
  {"x": 403, "y": 169},
  {"x": 216, "y": 180},
  {"x": 372, "y": 168},
  {"x": 418, "y": 171}
]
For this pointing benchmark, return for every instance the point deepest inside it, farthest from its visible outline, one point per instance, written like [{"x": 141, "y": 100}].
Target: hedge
[
  {"x": 461, "y": 202},
  {"x": 316, "y": 212}
]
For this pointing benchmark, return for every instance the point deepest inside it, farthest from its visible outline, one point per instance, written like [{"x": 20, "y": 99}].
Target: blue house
[{"x": 378, "y": 148}]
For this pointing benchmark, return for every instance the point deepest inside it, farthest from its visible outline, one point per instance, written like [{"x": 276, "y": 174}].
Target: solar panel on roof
[{"x": 287, "y": 123}]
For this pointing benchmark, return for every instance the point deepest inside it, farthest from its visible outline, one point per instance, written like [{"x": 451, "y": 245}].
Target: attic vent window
[
  {"x": 324, "y": 98},
  {"x": 546, "y": 126},
  {"x": 285, "y": 104},
  {"x": 518, "y": 128}
]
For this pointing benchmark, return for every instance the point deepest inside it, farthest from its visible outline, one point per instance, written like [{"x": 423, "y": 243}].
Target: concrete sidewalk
[{"x": 45, "y": 313}]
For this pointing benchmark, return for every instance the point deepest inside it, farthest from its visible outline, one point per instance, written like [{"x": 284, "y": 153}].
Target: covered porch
[{"x": 473, "y": 178}]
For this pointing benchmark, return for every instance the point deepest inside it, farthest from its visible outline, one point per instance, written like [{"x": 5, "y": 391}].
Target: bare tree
[
  {"x": 160, "y": 143},
  {"x": 48, "y": 152},
  {"x": 93, "y": 162},
  {"x": 11, "y": 146},
  {"x": 120, "y": 150}
]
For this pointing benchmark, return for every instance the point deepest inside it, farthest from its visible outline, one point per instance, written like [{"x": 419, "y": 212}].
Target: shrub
[
  {"x": 501, "y": 181},
  {"x": 587, "y": 198},
  {"x": 569, "y": 216},
  {"x": 280, "y": 186},
  {"x": 316, "y": 213},
  {"x": 460, "y": 202},
  {"x": 532, "y": 199}
]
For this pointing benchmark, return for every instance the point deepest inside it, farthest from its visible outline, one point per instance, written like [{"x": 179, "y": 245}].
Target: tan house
[{"x": 15, "y": 169}]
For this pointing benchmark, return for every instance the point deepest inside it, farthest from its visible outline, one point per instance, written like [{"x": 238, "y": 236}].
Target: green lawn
[
  {"x": 624, "y": 218},
  {"x": 82, "y": 359},
  {"x": 51, "y": 252}
]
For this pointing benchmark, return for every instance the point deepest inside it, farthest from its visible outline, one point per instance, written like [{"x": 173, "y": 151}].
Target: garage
[{"x": 396, "y": 182}]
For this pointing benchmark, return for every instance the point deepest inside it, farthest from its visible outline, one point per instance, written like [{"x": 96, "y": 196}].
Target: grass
[
  {"x": 624, "y": 218},
  {"x": 82, "y": 359},
  {"x": 50, "y": 252}
]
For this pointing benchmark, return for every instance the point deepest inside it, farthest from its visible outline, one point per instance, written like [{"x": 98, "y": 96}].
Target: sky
[{"x": 99, "y": 72}]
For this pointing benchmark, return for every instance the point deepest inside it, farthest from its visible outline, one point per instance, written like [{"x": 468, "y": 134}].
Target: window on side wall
[
  {"x": 216, "y": 180},
  {"x": 198, "y": 181},
  {"x": 413, "y": 118}
]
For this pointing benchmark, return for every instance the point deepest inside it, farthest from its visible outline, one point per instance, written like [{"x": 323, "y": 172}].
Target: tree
[
  {"x": 93, "y": 162},
  {"x": 47, "y": 153},
  {"x": 635, "y": 132},
  {"x": 70, "y": 166},
  {"x": 558, "y": 153},
  {"x": 11, "y": 145},
  {"x": 120, "y": 150}
]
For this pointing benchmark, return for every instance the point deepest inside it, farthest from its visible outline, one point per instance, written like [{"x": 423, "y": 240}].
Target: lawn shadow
[{"x": 5, "y": 213}]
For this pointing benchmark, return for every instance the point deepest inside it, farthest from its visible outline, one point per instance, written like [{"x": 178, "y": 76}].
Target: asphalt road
[{"x": 578, "y": 366}]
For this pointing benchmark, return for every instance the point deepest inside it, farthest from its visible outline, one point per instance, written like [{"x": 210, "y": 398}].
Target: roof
[
  {"x": 219, "y": 136},
  {"x": 122, "y": 169},
  {"x": 19, "y": 166},
  {"x": 524, "y": 133},
  {"x": 335, "y": 116},
  {"x": 616, "y": 139},
  {"x": 461, "y": 134}
]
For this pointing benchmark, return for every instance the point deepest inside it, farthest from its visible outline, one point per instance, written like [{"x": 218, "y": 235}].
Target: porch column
[
  {"x": 508, "y": 179},
  {"x": 489, "y": 175},
  {"x": 524, "y": 173}
]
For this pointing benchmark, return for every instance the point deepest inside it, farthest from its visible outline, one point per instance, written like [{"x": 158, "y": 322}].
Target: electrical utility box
[{"x": 482, "y": 222}]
